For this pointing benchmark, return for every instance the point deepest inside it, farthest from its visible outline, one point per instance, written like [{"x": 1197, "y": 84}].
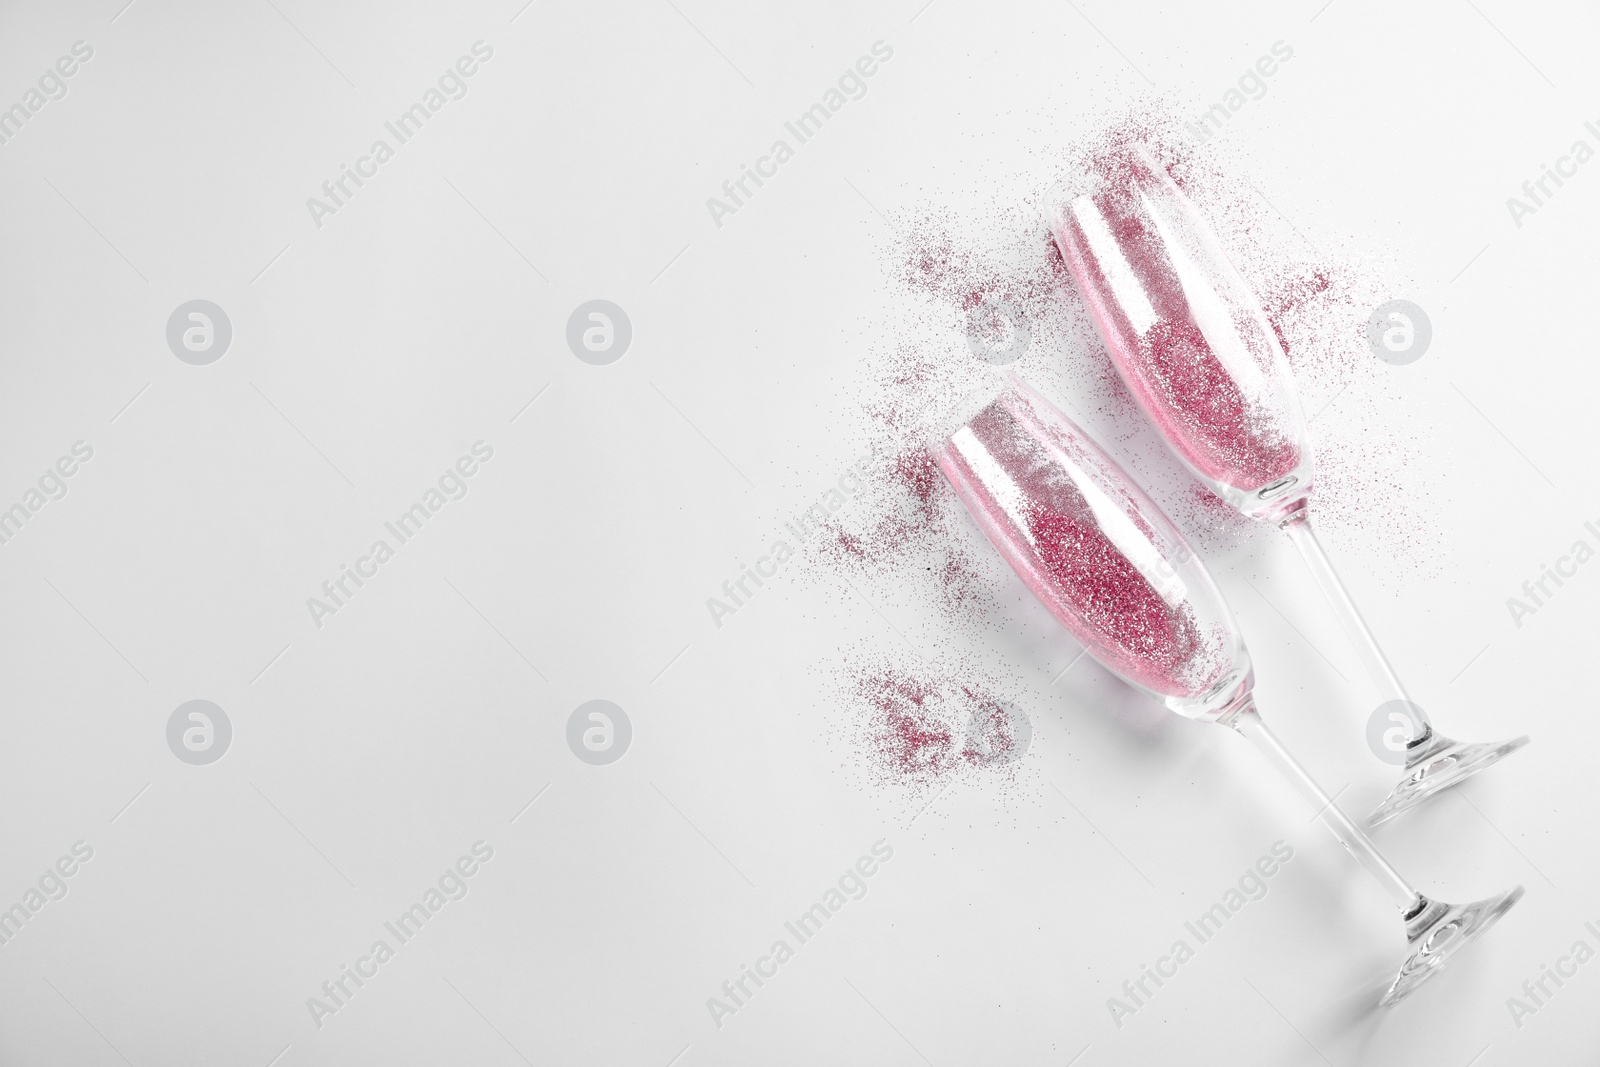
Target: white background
[{"x": 369, "y": 353}]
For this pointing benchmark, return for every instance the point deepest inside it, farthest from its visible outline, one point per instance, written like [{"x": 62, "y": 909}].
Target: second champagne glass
[
  {"x": 1195, "y": 348},
  {"x": 1113, "y": 569}
]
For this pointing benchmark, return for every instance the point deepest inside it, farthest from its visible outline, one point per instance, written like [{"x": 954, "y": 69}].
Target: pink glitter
[
  {"x": 919, "y": 473},
  {"x": 1217, "y": 408},
  {"x": 961, "y": 252},
  {"x": 907, "y": 538},
  {"x": 925, "y": 726},
  {"x": 908, "y": 736},
  {"x": 1061, "y": 513}
]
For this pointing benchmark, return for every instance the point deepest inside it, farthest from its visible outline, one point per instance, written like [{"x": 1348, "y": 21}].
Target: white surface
[{"x": 423, "y": 718}]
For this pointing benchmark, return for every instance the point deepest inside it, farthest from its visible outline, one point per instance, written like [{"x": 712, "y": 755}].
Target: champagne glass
[
  {"x": 1196, "y": 350},
  {"x": 1115, "y": 571}
]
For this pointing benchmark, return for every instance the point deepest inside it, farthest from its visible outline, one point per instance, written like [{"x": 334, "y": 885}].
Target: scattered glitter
[
  {"x": 966, "y": 267},
  {"x": 929, "y": 726}
]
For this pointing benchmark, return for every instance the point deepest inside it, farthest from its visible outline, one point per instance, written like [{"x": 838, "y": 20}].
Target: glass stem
[
  {"x": 1298, "y": 527},
  {"x": 1248, "y": 722}
]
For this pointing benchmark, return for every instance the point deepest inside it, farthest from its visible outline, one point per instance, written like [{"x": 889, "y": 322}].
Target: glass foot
[
  {"x": 1436, "y": 932},
  {"x": 1439, "y": 763}
]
